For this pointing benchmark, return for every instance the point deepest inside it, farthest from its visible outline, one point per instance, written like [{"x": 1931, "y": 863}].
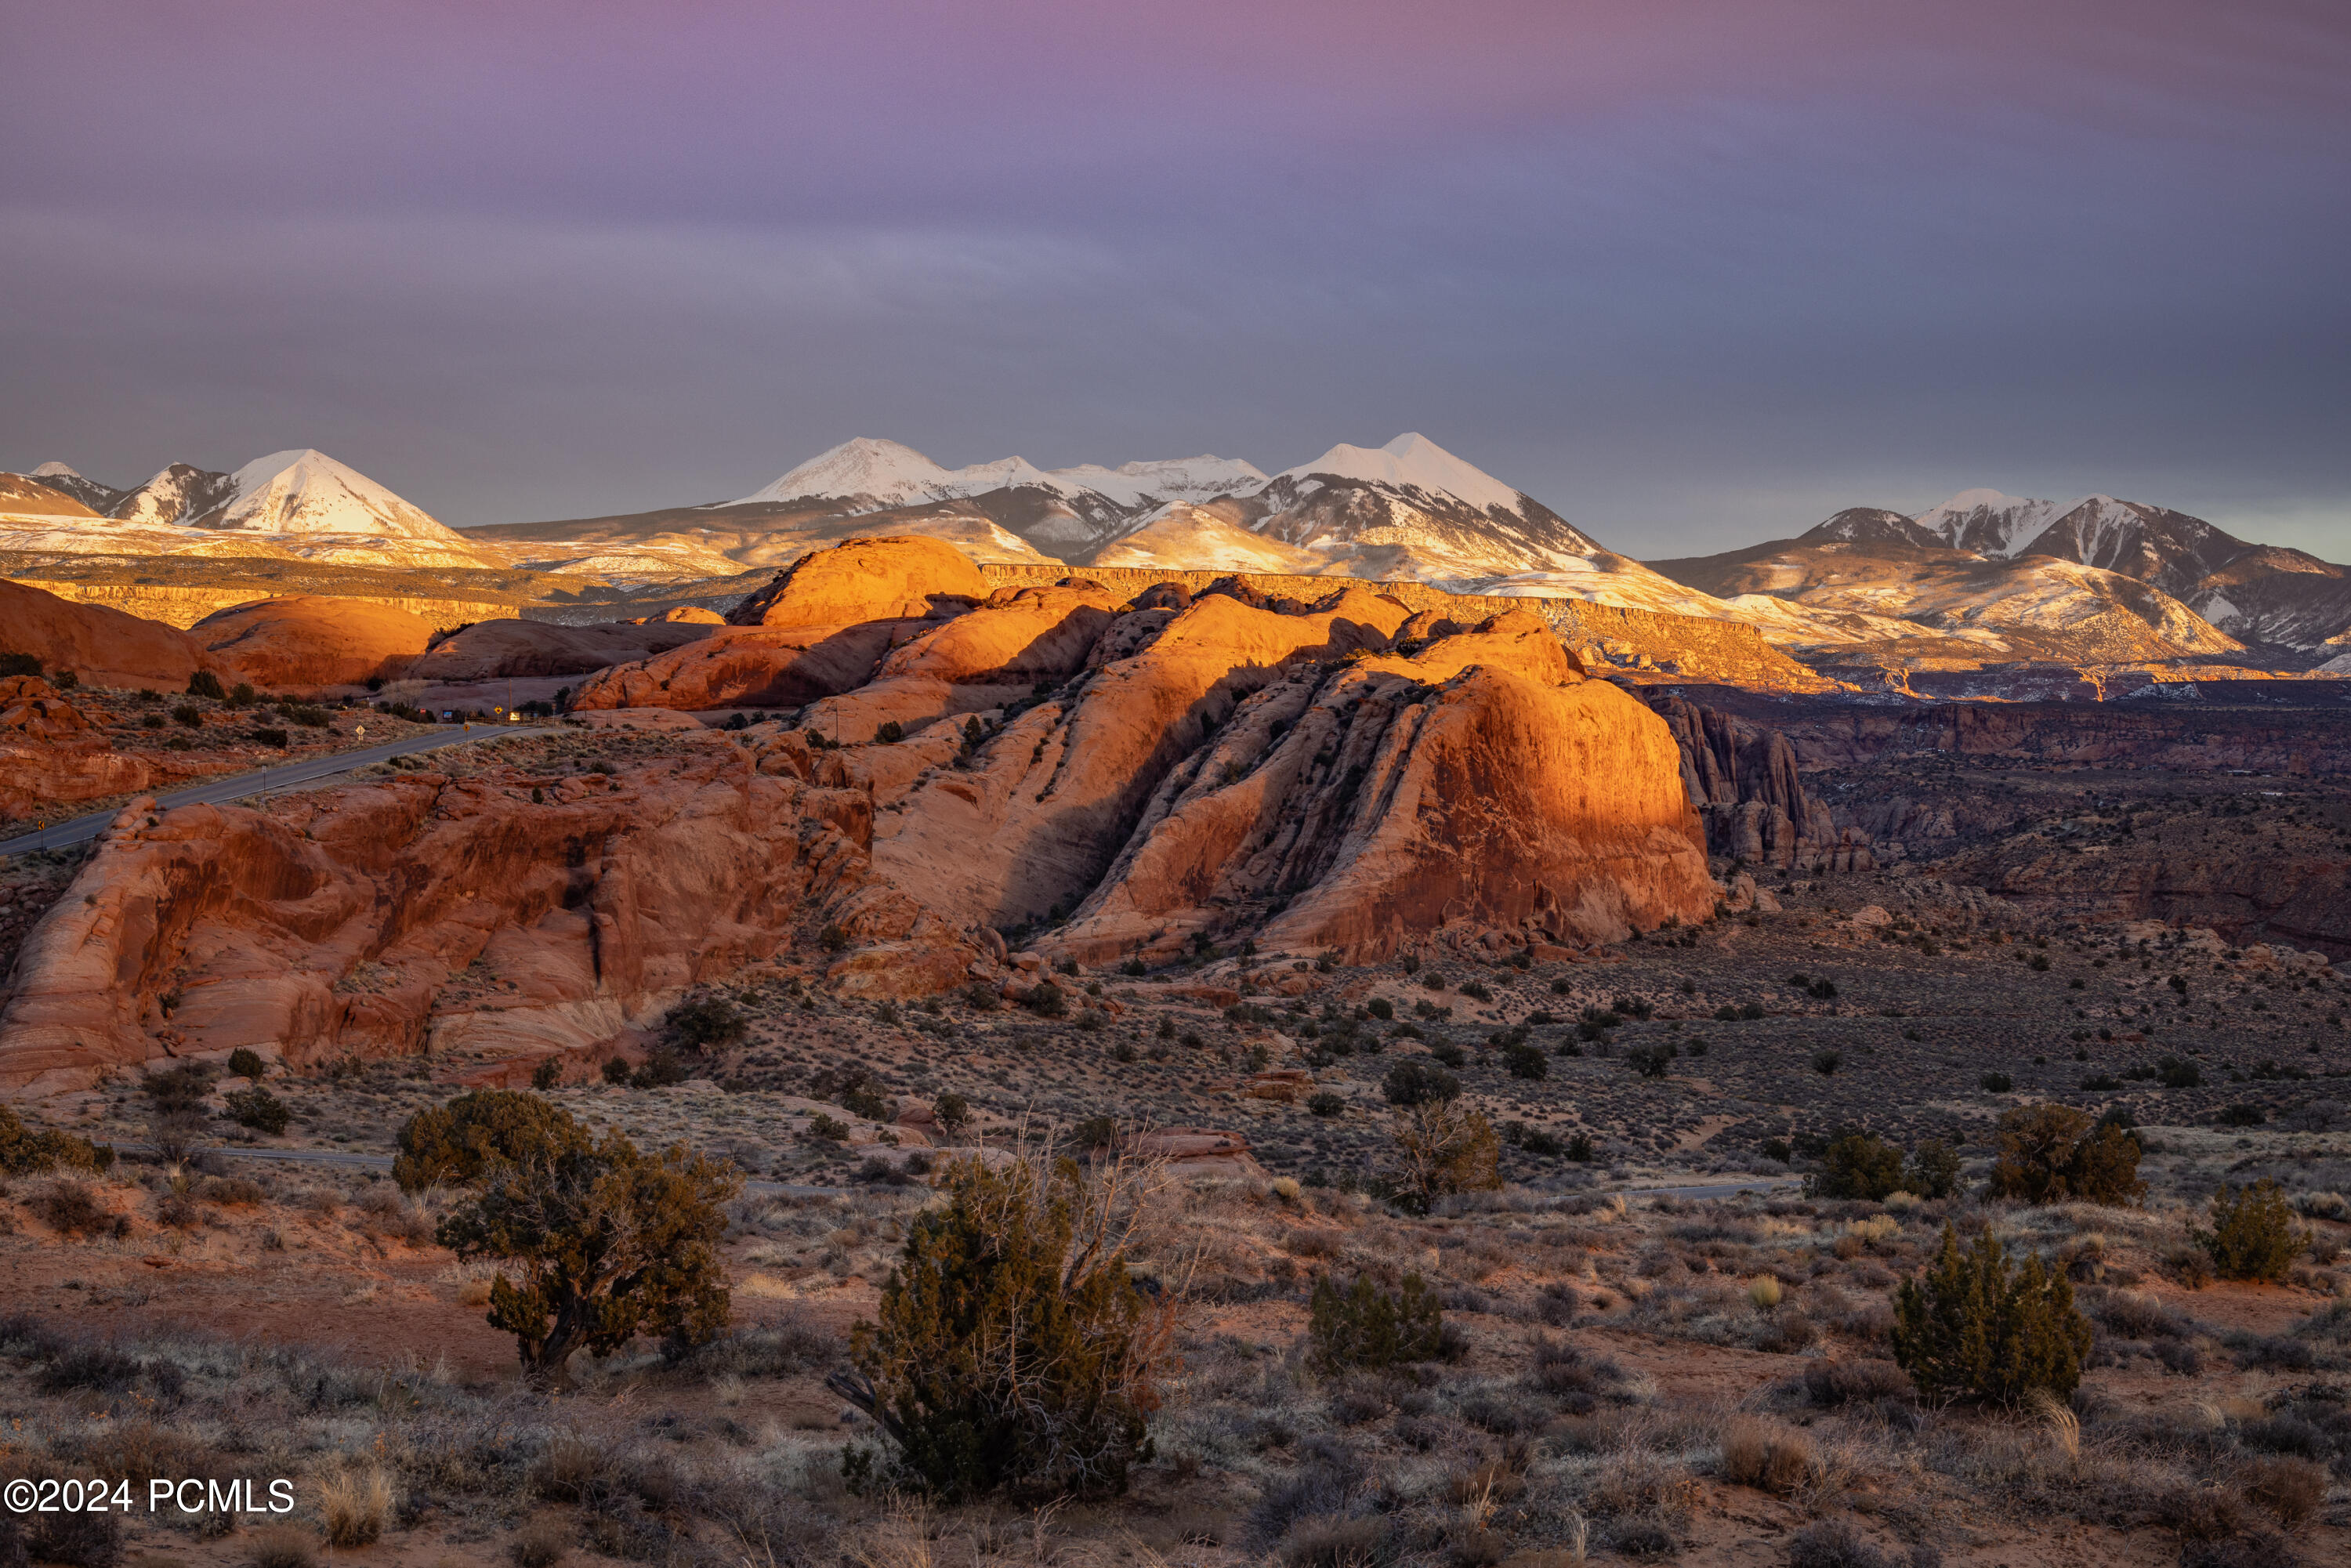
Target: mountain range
[{"x": 1983, "y": 577}]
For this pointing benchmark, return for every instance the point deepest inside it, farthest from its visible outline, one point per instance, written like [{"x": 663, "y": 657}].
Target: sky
[{"x": 1693, "y": 273}]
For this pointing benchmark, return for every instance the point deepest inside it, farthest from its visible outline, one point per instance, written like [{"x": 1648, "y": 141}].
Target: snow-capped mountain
[
  {"x": 1449, "y": 520},
  {"x": 98, "y": 498},
  {"x": 1871, "y": 525},
  {"x": 1988, "y": 521},
  {"x": 178, "y": 492},
  {"x": 298, "y": 503},
  {"x": 297, "y": 492},
  {"x": 868, "y": 474},
  {"x": 1175, "y": 479}
]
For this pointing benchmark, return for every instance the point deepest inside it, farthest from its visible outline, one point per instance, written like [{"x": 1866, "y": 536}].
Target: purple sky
[{"x": 1693, "y": 273}]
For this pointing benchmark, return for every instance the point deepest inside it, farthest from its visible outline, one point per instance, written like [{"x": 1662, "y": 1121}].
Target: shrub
[
  {"x": 1326, "y": 1103},
  {"x": 615, "y": 1070},
  {"x": 1412, "y": 1082},
  {"x": 1381, "y": 1008},
  {"x": 1827, "y": 1061},
  {"x": 1525, "y": 1061},
  {"x": 1046, "y": 1000},
  {"x": 2292, "y": 1489},
  {"x": 1365, "y": 1326},
  {"x": 205, "y": 683},
  {"x": 1651, "y": 1061},
  {"x": 1857, "y": 1165},
  {"x": 1766, "y": 1456},
  {"x": 542, "y": 1543},
  {"x": 1011, "y": 1350},
  {"x": 259, "y": 1109},
  {"x": 609, "y": 1243},
  {"x": 14, "y": 664},
  {"x": 471, "y": 1135},
  {"x": 1833, "y": 1543},
  {"x": 890, "y": 732},
  {"x": 71, "y": 1208},
  {"x": 23, "y": 1153},
  {"x": 2253, "y": 1235},
  {"x": 548, "y": 1075},
  {"x": 1972, "y": 1326},
  {"x": 1475, "y": 990},
  {"x": 280, "y": 1546},
  {"x": 661, "y": 1067},
  {"x": 1442, "y": 1148},
  {"x": 2051, "y": 1153},
  {"x": 953, "y": 1111},
  {"x": 269, "y": 734},
  {"x": 1934, "y": 1169},
  {"x": 246, "y": 1062},
  {"x": 705, "y": 1021},
  {"x": 1997, "y": 1082},
  {"x": 2177, "y": 1072}
]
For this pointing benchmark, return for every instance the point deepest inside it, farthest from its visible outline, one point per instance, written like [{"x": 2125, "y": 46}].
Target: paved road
[
  {"x": 353, "y": 1159},
  {"x": 266, "y": 781}
]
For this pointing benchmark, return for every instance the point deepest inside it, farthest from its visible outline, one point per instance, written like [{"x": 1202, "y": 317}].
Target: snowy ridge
[
  {"x": 307, "y": 492},
  {"x": 1989, "y": 522},
  {"x": 1410, "y": 461}
]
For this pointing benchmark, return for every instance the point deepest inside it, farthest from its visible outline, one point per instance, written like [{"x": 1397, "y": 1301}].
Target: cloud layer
[{"x": 1693, "y": 273}]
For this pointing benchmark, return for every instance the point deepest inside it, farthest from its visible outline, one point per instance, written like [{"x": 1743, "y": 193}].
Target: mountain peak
[
  {"x": 53, "y": 471},
  {"x": 886, "y": 472},
  {"x": 1412, "y": 460}
]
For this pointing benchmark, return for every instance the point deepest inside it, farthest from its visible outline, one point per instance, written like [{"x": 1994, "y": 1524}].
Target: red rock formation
[
  {"x": 494, "y": 650},
  {"x": 1482, "y": 783},
  {"x": 304, "y": 641},
  {"x": 50, "y": 757},
  {"x": 104, "y": 647},
  {"x": 1164, "y": 766},
  {"x": 1742, "y": 775},
  {"x": 386, "y": 917},
  {"x": 1054, "y": 794},
  {"x": 821, "y": 628},
  {"x": 990, "y": 658}
]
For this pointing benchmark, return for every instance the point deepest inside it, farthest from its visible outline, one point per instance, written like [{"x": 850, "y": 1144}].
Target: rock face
[
  {"x": 308, "y": 640},
  {"x": 1158, "y": 765},
  {"x": 105, "y": 647},
  {"x": 493, "y": 650},
  {"x": 821, "y": 628},
  {"x": 1742, "y": 777},
  {"x": 49, "y": 755},
  {"x": 387, "y": 918},
  {"x": 1482, "y": 784}
]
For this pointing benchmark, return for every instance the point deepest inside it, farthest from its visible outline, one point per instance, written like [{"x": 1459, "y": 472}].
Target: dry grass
[
  {"x": 1767, "y": 1457},
  {"x": 356, "y": 1504}
]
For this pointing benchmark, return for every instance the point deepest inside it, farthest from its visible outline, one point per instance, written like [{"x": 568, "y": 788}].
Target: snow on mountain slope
[
  {"x": 307, "y": 492},
  {"x": 1174, "y": 479},
  {"x": 1433, "y": 516},
  {"x": 57, "y": 477},
  {"x": 32, "y": 495},
  {"x": 1182, "y": 536},
  {"x": 1410, "y": 461},
  {"x": 869, "y": 475},
  {"x": 1871, "y": 525},
  {"x": 177, "y": 492},
  {"x": 1987, "y": 522}
]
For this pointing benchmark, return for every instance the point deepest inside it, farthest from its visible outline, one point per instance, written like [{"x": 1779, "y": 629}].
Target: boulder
[
  {"x": 907, "y": 577},
  {"x": 104, "y": 647},
  {"x": 307, "y": 640},
  {"x": 51, "y": 757}
]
